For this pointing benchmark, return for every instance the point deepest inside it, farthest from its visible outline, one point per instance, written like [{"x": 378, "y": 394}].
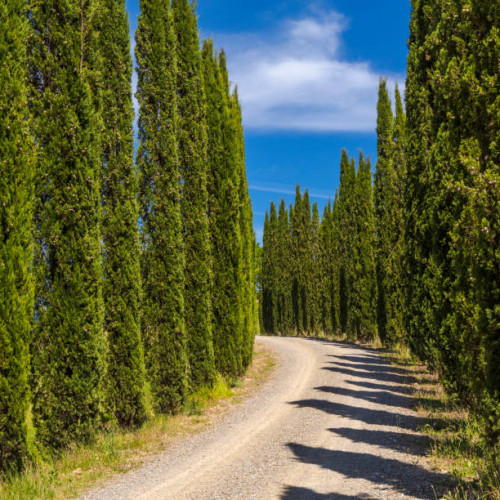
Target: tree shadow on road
[
  {"x": 296, "y": 493},
  {"x": 367, "y": 415},
  {"x": 413, "y": 444},
  {"x": 401, "y": 388},
  {"x": 379, "y": 375},
  {"x": 408, "y": 479},
  {"x": 380, "y": 397}
]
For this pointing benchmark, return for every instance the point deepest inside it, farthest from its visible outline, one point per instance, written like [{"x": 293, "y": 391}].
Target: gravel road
[{"x": 333, "y": 421}]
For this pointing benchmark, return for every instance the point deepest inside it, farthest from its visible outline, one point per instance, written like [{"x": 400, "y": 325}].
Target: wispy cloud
[
  {"x": 294, "y": 78},
  {"x": 287, "y": 190}
]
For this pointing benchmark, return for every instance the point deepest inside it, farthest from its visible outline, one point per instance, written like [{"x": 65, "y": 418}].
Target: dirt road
[{"x": 334, "y": 421}]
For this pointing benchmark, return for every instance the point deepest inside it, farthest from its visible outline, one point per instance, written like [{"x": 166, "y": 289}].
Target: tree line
[
  {"x": 415, "y": 262},
  {"x": 127, "y": 279}
]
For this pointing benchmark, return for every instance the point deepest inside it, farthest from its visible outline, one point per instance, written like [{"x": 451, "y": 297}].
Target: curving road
[{"x": 334, "y": 421}]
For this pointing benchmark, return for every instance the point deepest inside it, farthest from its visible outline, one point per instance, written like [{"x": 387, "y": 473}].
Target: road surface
[{"x": 333, "y": 421}]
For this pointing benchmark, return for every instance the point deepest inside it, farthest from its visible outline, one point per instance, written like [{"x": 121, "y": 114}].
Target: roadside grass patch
[
  {"x": 458, "y": 446},
  {"x": 83, "y": 467}
]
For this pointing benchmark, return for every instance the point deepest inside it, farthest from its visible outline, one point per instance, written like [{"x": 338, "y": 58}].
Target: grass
[
  {"x": 83, "y": 467},
  {"x": 458, "y": 445}
]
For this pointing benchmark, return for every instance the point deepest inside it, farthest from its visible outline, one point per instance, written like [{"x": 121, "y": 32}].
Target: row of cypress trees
[
  {"x": 420, "y": 265},
  {"x": 319, "y": 275},
  {"x": 126, "y": 285}
]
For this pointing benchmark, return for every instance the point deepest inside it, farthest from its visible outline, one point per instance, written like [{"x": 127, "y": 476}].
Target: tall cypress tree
[
  {"x": 394, "y": 269},
  {"x": 334, "y": 263},
  {"x": 68, "y": 341},
  {"x": 284, "y": 293},
  {"x": 224, "y": 217},
  {"x": 362, "y": 293},
  {"x": 297, "y": 282},
  {"x": 451, "y": 198},
  {"x": 250, "y": 309},
  {"x": 315, "y": 272},
  {"x": 120, "y": 233},
  {"x": 157, "y": 159},
  {"x": 16, "y": 248},
  {"x": 194, "y": 165},
  {"x": 305, "y": 255},
  {"x": 264, "y": 287},
  {"x": 384, "y": 198},
  {"x": 346, "y": 241},
  {"x": 269, "y": 271},
  {"x": 389, "y": 177}
]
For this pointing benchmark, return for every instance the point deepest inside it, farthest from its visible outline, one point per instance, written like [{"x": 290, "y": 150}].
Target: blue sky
[{"x": 307, "y": 73}]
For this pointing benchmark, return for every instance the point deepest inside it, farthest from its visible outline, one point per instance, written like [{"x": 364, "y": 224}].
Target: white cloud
[
  {"x": 296, "y": 79},
  {"x": 271, "y": 187}
]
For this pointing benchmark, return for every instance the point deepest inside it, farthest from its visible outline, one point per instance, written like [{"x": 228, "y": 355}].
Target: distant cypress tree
[
  {"x": 394, "y": 268},
  {"x": 157, "y": 159},
  {"x": 194, "y": 167},
  {"x": 120, "y": 233},
  {"x": 384, "y": 203},
  {"x": 68, "y": 341},
  {"x": 389, "y": 177},
  {"x": 284, "y": 292},
  {"x": 325, "y": 250},
  {"x": 306, "y": 258},
  {"x": 314, "y": 299},
  {"x": 269, "y": 271},
  {"x": 264, "y": 286},
  {"x": 334, "y": 263},
  {"x": 297, "y": 279},
  {"x": 16, "y": 246},
  {"x": 224, "y": 216},
  {"x": 346, "y": 242},
  {"x": 362, "y": 293}
]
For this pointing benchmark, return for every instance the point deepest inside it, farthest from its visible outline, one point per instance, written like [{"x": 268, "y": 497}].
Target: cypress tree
[
  {"x": 334, "y": 262},
  {"x": 389, "y": 178},
  {"x": 451, "y": 198},
  {"x": 394, "y": 269},
  {"x": 264, "y": 287},
  {"x": 297, "y": 283},
  {"x": 250, "y": 308},
  {"x": 68, "y": 342},
  {"x": 384, "y": 198},
  {"x": 346, "y": 235},
  {"x": 306, "y": 258},
  {"x": 269, "y": 271},
  {"x": 163, "y": 322},
  {"x": 16, "y": 248},
  {"x": 224, "y": 205},
  {"x": 284, "y": 293},
  {"x": 314, "y": 297},
  {"x": 194, "y": 166},
  {"x": 324, "y": 250},
  {"x": 362, "y": 294},
  {"x": 120, "y": 234}
]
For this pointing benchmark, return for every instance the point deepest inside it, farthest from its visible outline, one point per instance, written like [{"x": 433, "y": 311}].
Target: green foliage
[
  {"x": 120, "y": 232},
  {"x": 452, "y": 198},
  {"x": 68, "y": 347},
  {"x": 346, "y": 243},
  {"x": 224, "y": 218},
  {"x": 388, "y": 190},
  {"x": 193, "y": 140},
  {"x": 362, "y": 294},
  {"x": 16, "y": 246},
  {"x": 163, "y": 324},
  {"x": 249, "y": 248}
]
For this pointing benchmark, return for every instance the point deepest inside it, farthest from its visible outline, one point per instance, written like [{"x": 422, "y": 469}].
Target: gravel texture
[{"x": 333, "y": 421}]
